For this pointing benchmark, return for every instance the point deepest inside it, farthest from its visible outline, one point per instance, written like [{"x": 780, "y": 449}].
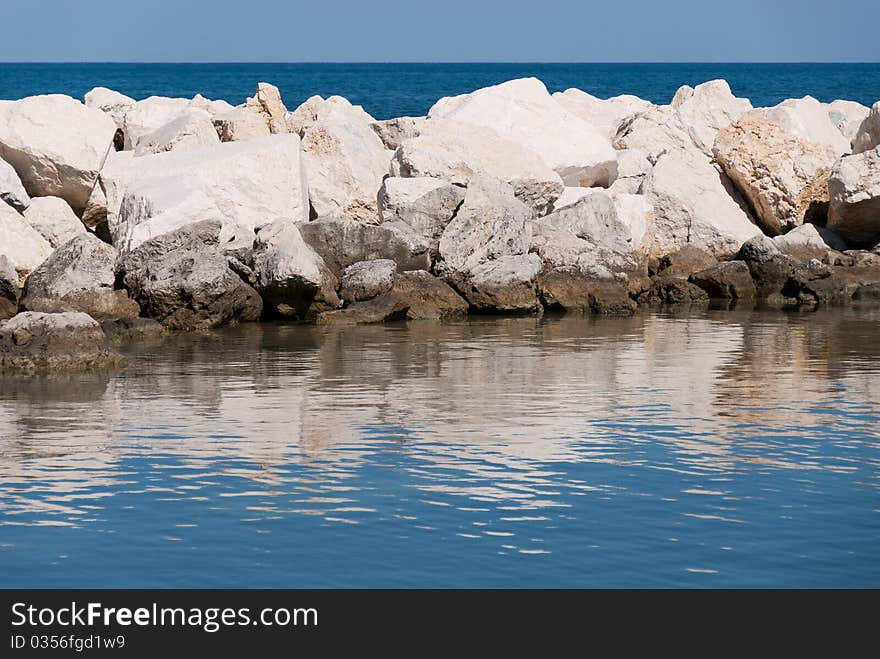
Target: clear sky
[{"x": 440, "y": 30}]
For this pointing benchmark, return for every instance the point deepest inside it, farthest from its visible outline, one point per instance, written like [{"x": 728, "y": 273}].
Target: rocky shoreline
[{"x": 123, "y": 218}]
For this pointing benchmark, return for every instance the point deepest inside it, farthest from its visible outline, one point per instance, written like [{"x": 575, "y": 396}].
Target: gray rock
[
  {"x": 79, "y": 276},
  {"x": 9, "y": 289},
  {"x": 365, "y": 280},
  {"x": 34, "y": 341},
  {"x": 54, "y": 220},
  {"x": 854, "y": 193},
  {"x": 424, "y": 204},
  {"x": 11, "y": 189},
  {"x": 809, "y": 241},
  {"x": 126, "y": 330},
  {"x": 504, "y": 284},
  {"x": 572, "y": 292},
  {"x": 685, "y": 262},
  {"x": 727, "y": 280},
  {"x": 770, "y": 268},
  {"x": 672, "y": 290},
  {"x": 183, "y": 280},
  {"x": 394, "y": 132}
]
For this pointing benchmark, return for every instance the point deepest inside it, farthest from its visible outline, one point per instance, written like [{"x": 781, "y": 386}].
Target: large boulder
[
  {"x": 573, "y": 292},
  {"x": 290, "y": 275},
  {"x": 365, "y": 280},
  {"x": 346, "y": 162},
  {"x": 149, "y": 115},
  {"x": 491, "y": 223},
  {"x": 12, "y": 191},
  {"x": 867, "y": 136},
  {"x": 72, "y": 341},
  {"x": 672, "y": 290},
  {"x": 705, "y": 109},
  {"x": 809, "y": 241},
  {"x": 245, "y": 185},
  {"x": 305, "y": 115},
  {"x": 343, "y": 242},
  {"x": 458, "y": 152},
  {"x": 769, "y": 267},
  {"x": 847, "y": 117},
  {"x": 183, "y": 280},
  {"x": 267, "y": 102},
  {"x": 79, "y": 276},
  {"x": 562, "y": 250},
  {"x": 190, "y": 130},
  {"x": 110, "y": 102},
  {"x": 425, "y": 204},
  {"x": 783, "y": 176},
  {"x": 606, "y": 115},
  {"x": 524, "y": 112},
  {"x": 56, "y": 144},
  {"x": 507, "y": 283},
  {"x": 9, "y": 288},
  {"x": 684, "y": 262},
  {"x": 394, "y": 132},
  {"x": 53, "y": 219},
  {"x": 854, "y": 191},
  {"x": 809, "y": 120},
  {"x": 692, "y": 206},
  {"x": 726, "y": 280},
  {"x": 21, "y": 243},
  {"x": 239, "y": 124}
]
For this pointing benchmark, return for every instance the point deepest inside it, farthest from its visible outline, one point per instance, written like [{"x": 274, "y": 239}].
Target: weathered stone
[
  {"x": 9, "y": 288},
  {"x": 78, "y": 276},
  {"x": 20, "y": 242},
  {"x": 267, "y": 102},
  {"x": 524, "y": 112},
  {"x": 305, "y": 115},
  {"x": 809, "y": 241},
  {"x": 12, "y": 191},
  {"x": 728, "y": 280},
  {"x": 503, "y": 284},
  {"x": 672, "y": 290},
  {"x": 240, "y": 124},
  {"x": 868, "y": 292},
  {"x": 807, "y": 119},
  {"x": 182, "y": 280},
  {"x": 394, "y": 132},
  {"x": 425, "y": 204},
  {"x": 854, "y": 191},
  {"x": 54, "y": 220},
  {"x": 560, "y": 249},
  {"x": 40, "y": 342},
  {"x": 56, "y": 144},
  {"x": 213, "y": 108},
  {"x": 606, "y": 115},
  {"x": 385, "y": 308},
  {"x": 705, "y": 109},
  {"x": 125, "y": 330},
  {"x": 191, "y": 130},
  {"x": 110, "y": 102},
  {"x": 149, "y": 115},
  {"x": 685, "y": 262},
  {"x": 458, "y": 152},
  {"x": 867, "y": 137},
  {"x": 571, "y": 291},
  {"x": 847, "y": 117},
  {"x": 342, "y": 243},
  {"x": 770, "y": 268},
  {"x": 365, "y": 280},
  {"x": 290, "y": 275}
]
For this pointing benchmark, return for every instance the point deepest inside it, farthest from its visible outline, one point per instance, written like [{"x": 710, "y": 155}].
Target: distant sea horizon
[{"x": 389, "y": 89}]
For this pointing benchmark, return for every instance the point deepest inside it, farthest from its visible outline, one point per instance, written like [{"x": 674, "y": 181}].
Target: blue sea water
[{"x": 389, "y": 90}]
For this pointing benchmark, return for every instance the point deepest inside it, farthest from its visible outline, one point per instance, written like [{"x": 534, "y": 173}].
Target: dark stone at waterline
[
  {"x": 572, "y": 292},
  {"x": 727, "y": 280},
  {"x": 132, "y": 329},
  {"x": 672, "y": 290},
  {"x": 685, "y": 262},
  {"x": 8, "y": 288},
  {"x": 868, "y": 293}
]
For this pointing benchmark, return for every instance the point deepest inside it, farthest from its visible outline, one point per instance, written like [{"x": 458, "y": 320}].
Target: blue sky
[{"x": 440, "y": 30}]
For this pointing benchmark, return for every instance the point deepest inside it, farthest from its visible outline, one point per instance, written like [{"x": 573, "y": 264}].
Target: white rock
[
  {"x": 149, "y": 115},
  {"x": 570, "y": 196},
  {"x": 654, "y": 132},
  {"x": 457, "y": 152},
  {"x": 21, "y": 243},
  {"x": 807, "y": 119},
  {"x": 245, "y": 185},
  {"x": 783, "y": 176},
  {"x": 346, "y": 162},
  {"x": 847, "y": 116},
  {"x": 693, "y": 207},
  {"x": 868, "y": 134},
  {"x": 394, "y": 132},
  {"x": 193, "y": 129},
  {"x": 854, "y": 191},
  {"x": 809, "y": 241},
  {"x": 240, "y": 124},
  {"x": 53, "y": 219},
  {"x": 705, "y": 109},
  {"x": 110, "y": 102},
  {"x": 12, "y": 191},
  {"x": 504, "y": 284},
  {"x": 219, "y": 106},
  {"x": 523, "y": 111},
  {"x": 365, "y": 280},
  {"x": 606, "y": 115},
  {"x": 425, "y": 204},
  {"x": 56, "y": 144},
  {"x": 305, "y": 115},
  {"x": 267, "y": 101}
]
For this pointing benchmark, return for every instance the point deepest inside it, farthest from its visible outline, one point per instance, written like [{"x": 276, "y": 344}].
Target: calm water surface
[{"x": 708, "y": 449}]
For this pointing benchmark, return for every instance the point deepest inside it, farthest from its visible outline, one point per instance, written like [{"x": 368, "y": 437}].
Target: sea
[{"x": 392, "y": 90}]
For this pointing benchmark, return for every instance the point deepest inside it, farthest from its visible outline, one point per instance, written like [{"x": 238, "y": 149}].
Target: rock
[
  {"x": 213, "y": 108},
  {"x": 342, "y": 243},
  {"x": 832, "y": 285},
  {"x": 424, "y": 204},
  {"x": 685, "y": 262},
  {"x": 346, "y": 162},
  {"x": 382, "y": 309},
  {"x": 728, "y": 280},
  {"x": 654, "y": 132},
  {"x": 672, "y": 290},
  {"x": 504, "y": 284},
  {"x": 622, "y": 223},
  {"x": 34, "y": 341},
  {"x": 854, "y": 192},
  {"x": 783, "y": 176},
  {"x": 111, "y": 103},
  {"x": 365, "y": 280},
  {"x": 457, "y": 153},
  {"x": 305, "y": 115},
  {"x": 568, "y": 291},
  {"x": 524, "y": 112},
  {"x": 11, "y": 190},
  {"x": 807, "y": 119},
  {"x": 847, "y": 117},
  {"x": 290, "y": 275},
  {"x": 770, "y": 268},
  {"x": 240, "y": 124},
  {"x": 21, "y": 243},
  {"x": 606, "y": 115},
  {"x": 394, "y": 132},
  {"x": 56, "y": 144},
  {"x": 705, "y": 109},
  {"x": 561, "y": 249},
  {"x": 570, "y": 196},
  {"x": 693, "y": 207},
  {"x": 78, "y": 276},
  {"x": 245, "y": 185},
  {"x": 867, "y": 137},
  {"x": 491, "y": 223},
  {"x": 9, "y": 288},
  {"x": 191, "y": 130},
  {"x": 868, "y": 292},
  {"x": 809, "y": 242},
  {"x": 267, "y": 102},
  {"x": 125, "y": 330},
  {"x": 54, "y": 220},
  {"x": 182, "y": 280},
  {"x": 633, "y": 166},
  {"x": 149, "y": 115}
]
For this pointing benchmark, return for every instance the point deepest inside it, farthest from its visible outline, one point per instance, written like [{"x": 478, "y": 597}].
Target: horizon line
[{"x": 438, "y": 62}]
